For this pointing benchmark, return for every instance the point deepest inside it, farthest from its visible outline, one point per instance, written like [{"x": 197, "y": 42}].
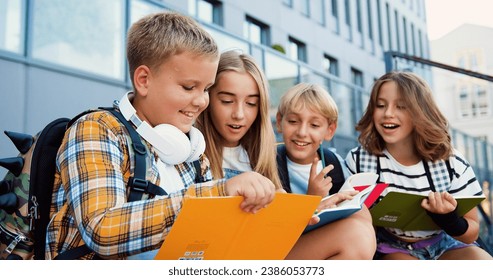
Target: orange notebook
[{"x": 215, "y": 228}]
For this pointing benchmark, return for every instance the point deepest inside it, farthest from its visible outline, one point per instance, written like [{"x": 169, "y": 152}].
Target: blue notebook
[
  {"x": 347, "y": 207},
  {"x": 343, "y": 209}
]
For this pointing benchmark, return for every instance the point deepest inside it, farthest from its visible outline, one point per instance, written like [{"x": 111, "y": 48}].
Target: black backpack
[{"x": 27, "y": 188}]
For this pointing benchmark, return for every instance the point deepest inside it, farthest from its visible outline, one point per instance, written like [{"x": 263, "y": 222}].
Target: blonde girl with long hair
[{"x": 237, "y": 125}]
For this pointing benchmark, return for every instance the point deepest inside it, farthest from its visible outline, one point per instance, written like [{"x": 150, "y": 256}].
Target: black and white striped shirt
[{"x": 458, "y": 179}]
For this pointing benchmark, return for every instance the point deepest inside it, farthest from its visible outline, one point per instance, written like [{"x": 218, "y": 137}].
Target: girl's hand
[
  {"x": 319, "y": 184},
  {"x": 439, "y": 203},
  {"x": 257, "y": 190}
]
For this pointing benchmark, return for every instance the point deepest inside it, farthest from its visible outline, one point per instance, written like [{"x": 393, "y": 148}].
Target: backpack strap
[
  {"x": 282, "y": 167},
  {"x": 368, "y": 158},
  {"x": 138, "y": 183},
  {"x": 198, "y": 172},
  {"x": 449, "y": 169},
  {"x": 76, "y": 253},
  {"x": 336, "y": 174},
  {"x": 428, "y": 176},
  {"x": 358, "y": 167},
  {"x": 379, "y": 169}
]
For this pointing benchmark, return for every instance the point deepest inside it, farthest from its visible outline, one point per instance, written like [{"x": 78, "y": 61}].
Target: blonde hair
[
  {"x": 259, "y": 141},
  {"x": 309, "y": 96},
  {"x": 154, "y": 38},
  {"x": 431, "y": 137}
]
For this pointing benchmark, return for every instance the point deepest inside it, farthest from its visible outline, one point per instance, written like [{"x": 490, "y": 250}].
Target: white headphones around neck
[{"x": 171, "y": 144}]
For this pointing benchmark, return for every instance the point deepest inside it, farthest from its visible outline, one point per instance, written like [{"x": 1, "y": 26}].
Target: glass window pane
[
  {"x": 255, "y": 33},
  {"x": 343, "y": 98},
  {"x": 209, "y": 11},
  {"x": 293, "y": 50},
  {"x": 11, "y": 26},
  {"x": 65, "y": 32},
  {"x": 282, "y": 74}
]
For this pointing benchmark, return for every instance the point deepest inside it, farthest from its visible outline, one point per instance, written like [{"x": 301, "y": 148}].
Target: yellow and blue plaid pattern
[{"x": 89, "y": 204}]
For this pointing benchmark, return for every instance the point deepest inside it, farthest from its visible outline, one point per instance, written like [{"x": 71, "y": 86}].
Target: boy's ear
[
  {"x": 141, "y": 79},
  {"x": 331, "y": 130},
  {"x": 278, "y": 122}
]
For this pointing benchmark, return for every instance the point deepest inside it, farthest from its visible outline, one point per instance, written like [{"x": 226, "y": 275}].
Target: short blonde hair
[
  {"x": 309, "y": 96},
  {"x": 155, "y": 37}
]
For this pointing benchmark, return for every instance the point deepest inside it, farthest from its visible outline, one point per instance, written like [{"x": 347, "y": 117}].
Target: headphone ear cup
[
  {"x": 197, "y": 142},
  {"x": 176, "y": 145}
]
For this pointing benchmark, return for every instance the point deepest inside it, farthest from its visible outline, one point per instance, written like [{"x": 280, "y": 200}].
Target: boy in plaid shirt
[{"x": 172, "y": 62}]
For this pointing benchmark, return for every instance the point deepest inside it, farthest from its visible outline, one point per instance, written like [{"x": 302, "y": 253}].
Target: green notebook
[{"x": 404, "y": 211}]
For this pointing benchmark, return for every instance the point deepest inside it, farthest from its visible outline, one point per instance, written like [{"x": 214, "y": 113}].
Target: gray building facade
[{"x": 60, "y": 57}]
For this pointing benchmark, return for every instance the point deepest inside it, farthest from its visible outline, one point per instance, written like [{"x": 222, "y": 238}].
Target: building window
[
  {"x": 347, "y": 9},
  {"x": 335, "y": 13},
  {"x": 483, "y": 104},
  {"x": 404, "y": 24},
  {"x": 379, "y": 18},
  {"x": 330, "y": 65},
  {"x": 413, "y": 42},
  {"x": 62, "y": 37},
  {"x": 389, "y": 26},
  {"x": 420, "y": 43},
  {"x": 256, "y": 31},
  {"x": 397, "y": 35},
  {"x": 357, "y": 77},
  {"x": 359, "y": 22},
  {"x": 305, "y": 7},
  {"x": 297, "y": 50},
  {"x": 318, "y": 11},
  {"x": 473, "y": 60},
  {"x": 474, "y": 102},
  {"x": 465, "y": 103},
  {"x": 370, "y": 24},
  {"x": 209, "y": 11},
  {"x": 11, "y": 26},
  {"x": 461, "y": 63}
]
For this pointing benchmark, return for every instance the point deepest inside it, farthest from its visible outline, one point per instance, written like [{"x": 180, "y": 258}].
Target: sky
[{"x": 444, "y": 16}]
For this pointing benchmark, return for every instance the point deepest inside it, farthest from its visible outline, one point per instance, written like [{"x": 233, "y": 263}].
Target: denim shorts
[{"x": 429, "y": 249}]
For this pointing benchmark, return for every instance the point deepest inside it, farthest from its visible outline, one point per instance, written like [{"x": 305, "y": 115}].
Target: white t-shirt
[
  {"x": 235, "y": 161},
  {"x": 299, "y": 175}
]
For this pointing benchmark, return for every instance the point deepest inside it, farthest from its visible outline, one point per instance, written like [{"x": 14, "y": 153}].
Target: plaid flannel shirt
[{"x": 89, "y": 204}]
